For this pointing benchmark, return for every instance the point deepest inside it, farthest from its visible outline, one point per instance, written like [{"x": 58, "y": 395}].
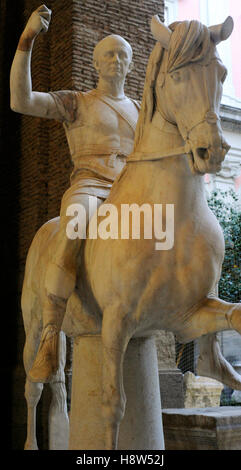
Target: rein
[
  {"x": 184, "y": 149},
  {"x": 210, "y": 118}
]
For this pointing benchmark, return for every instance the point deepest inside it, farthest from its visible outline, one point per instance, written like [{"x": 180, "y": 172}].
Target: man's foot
[
  {"x": 211, "y": 363},
  {"x": 46, "y": 362}
]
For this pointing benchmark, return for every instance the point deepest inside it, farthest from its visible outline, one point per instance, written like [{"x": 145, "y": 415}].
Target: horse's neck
[
  {"x": 160, "y": 136},
  {"x": 173, "y": 173}
]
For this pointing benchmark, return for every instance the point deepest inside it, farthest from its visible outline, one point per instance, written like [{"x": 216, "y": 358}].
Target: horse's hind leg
[
  {"x": 211, "y": 316},
  {"x": 115, "y": 339},
  {"x": 58, "y": 415},
  {"x": 33, "y": 393}
]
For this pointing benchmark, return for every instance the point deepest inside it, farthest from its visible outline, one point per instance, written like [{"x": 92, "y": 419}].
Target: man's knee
[{"x": 75, "y": 215}]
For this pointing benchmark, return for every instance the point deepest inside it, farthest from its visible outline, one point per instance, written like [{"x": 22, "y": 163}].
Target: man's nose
[{"x": 116, "y": 57}]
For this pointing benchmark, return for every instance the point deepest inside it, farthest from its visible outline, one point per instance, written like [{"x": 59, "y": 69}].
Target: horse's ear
[
  {"x": 160, "y": 31},
  {"x": 222, "y": 31}
]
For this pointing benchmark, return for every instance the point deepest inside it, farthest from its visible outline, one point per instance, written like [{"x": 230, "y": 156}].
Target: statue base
[
  {"x": 217, "y": 428},
  {"x": 141, "y": 427}
]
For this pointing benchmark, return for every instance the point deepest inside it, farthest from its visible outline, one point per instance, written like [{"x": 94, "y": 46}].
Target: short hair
[{"x": 111, "y": 36}]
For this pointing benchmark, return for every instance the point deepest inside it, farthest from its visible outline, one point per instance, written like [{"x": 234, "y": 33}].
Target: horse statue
[{"x": 126, "y": 287}]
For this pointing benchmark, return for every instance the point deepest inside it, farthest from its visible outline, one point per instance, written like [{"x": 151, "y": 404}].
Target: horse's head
[{"x": 188, "y": 87}]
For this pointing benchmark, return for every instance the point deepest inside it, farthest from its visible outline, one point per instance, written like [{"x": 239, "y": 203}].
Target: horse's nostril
[{"x": 202, "y": 153}]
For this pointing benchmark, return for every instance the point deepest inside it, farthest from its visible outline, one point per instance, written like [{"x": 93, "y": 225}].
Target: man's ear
[
  {"x": 130, "y": 68},
  {"x": 96, "y": 65}
]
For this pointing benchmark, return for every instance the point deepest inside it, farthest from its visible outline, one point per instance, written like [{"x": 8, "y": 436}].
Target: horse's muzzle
[{"x": 209, "y": 160}]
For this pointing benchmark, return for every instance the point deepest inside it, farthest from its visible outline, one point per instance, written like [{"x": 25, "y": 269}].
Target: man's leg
[{"x": 59, "y": 284}]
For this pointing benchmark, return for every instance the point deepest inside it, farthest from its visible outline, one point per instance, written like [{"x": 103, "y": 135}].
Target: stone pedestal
[
  {"x": 141, "y": 427},
  {"x": 203, "y": 428},
  {"x": 201, "y": 392},
  {"x": 171, "y": 388},
  {"x": 170, "y": 377}
]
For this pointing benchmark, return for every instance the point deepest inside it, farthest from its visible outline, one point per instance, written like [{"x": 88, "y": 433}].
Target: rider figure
[{"x": 99, "y": 127}]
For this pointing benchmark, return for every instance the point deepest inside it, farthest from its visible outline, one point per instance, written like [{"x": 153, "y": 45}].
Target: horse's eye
[{"x": 176, "y": 76}]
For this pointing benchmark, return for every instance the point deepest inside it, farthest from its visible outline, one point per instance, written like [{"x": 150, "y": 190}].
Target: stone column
[
  {"x": 170, "y": 377},
  {"x": 141, "y": 427}
]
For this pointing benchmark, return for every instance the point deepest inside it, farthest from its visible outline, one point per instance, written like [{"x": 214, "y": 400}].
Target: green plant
[{"x": 225, "y": 206}]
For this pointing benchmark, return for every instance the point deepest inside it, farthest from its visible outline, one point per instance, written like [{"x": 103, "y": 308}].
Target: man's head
[{"x": 112, "y": 57}]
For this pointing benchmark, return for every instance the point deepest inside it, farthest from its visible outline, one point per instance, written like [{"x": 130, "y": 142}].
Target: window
[{"x": 171, "y": 10}]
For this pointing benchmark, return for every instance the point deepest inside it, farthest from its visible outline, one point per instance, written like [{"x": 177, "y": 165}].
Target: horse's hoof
[
  {"x": 212, "y": 364},
  {"x": 31, "y": 446}
]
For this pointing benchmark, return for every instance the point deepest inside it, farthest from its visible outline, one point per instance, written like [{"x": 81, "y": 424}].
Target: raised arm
[{"x": 23, "y": 99}]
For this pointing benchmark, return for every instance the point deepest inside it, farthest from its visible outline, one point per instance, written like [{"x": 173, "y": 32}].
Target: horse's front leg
[
  {"x": 207, "y": 318},
  {"x": 211, "y": 363},
  {"x": 33, "y": 391},
  {"x": 115, "y": 338}
]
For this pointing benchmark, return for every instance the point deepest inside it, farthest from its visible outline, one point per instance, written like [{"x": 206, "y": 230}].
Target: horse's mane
[{"x": 190, "y": 42}]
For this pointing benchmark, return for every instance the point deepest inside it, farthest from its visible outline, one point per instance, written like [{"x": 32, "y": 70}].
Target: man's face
[{"x": 113, "y": 59}]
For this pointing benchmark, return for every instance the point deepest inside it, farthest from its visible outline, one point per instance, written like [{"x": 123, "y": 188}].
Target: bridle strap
[
  {"x": 184, "y": 149},
  {"x": 210, "y": 117}
]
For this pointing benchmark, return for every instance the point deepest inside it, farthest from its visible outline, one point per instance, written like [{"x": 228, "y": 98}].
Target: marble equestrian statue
[{"x": 138, "y": 289}]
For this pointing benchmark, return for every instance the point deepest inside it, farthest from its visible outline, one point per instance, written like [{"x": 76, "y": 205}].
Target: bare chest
[{"x": 104, "y": 120}]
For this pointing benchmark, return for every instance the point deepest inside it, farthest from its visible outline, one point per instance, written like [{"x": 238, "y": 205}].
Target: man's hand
[{"x": 38, "y": 22}]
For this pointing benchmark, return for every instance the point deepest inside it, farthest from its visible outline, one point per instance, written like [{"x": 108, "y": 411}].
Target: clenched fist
[{"x": 38, "y": 22}]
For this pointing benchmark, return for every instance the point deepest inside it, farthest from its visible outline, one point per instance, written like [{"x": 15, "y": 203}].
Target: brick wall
[
  {"x": 36, "y": 165},
  {"x": 94, "y": 20}
]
